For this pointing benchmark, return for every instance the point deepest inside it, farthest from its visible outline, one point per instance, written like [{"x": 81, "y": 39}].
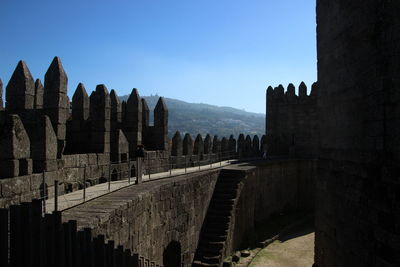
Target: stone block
[
  {"x": 70, "y": 161},
  {"x": 83, "y": 160},
  {"x": 15, "y": 186},
  {"x": 50, "y": 165},
  {"x": 9, "y": 168},
  {"x": 103, "y": 159},
  {"x": 25, "y": 166},
  {"x": 92, "y": 159}
]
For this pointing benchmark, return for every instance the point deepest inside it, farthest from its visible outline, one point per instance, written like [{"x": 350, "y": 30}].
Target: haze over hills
[{"x": 200, "y": 118}]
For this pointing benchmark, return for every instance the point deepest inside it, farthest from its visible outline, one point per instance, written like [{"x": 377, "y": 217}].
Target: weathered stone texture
[
  {"x": 292, "y": 121},
  {"x": 55, "y": 101},
  {"x": 198, "y": 148},
  {"x": 177, "y": 148},
  {"x": 161, "y": 125},
  {"x": 14, "y": 141},
  {"x": 187, "y": 145},
  {"x": 207, "y": 144},
  {"x": 39, "y": 91},
  {"x": 133, "y": 121},
  {"x": 20, "y": 90},
  {"x": 357, "y": 222},
  {"x": 100, "y": 115}
]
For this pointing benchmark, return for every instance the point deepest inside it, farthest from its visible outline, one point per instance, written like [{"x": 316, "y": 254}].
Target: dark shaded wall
[
  {"x": 271, "y": 188},
  {"x": 292, "y": 121},
  {"x": 358, "y": 203}
]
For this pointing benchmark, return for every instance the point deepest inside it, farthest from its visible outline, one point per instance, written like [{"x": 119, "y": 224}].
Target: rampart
[
  {"x": 146, "y": 218},
  {"x": 92, "y": 139}
]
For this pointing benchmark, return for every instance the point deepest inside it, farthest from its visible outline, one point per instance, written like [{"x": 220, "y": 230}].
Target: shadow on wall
[{"x": 172, "y": 255}]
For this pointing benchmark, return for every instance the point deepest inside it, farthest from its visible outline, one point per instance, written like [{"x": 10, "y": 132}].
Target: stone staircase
[{"x": 217, "y": 223}]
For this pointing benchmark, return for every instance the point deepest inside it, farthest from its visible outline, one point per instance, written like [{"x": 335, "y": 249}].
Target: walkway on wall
[{"x": 80, "y": 196}]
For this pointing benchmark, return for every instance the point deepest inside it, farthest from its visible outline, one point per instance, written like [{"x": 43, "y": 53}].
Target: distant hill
[{"x": 196, "y": 118}]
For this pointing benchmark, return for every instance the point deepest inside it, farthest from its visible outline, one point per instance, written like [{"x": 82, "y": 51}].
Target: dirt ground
[{"x": 292, "y": 250}]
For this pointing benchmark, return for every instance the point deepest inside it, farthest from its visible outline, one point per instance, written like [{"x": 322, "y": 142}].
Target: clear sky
[{"x": 221, "y": 52}]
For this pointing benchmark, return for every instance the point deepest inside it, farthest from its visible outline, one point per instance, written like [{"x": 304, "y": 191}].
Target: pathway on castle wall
[
  {"x": 75, "y": 198},
  {"x": 295, "y": 250}
]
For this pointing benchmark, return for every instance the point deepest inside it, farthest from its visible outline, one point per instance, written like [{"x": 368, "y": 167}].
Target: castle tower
[
  {"x": 133, "y": 121},
  {"x": 20, "y": 90},
  {"x": 207, "y": 144},
  {"x": 198, "y": 148},
  {"x": 100, "y": 116},
  {"x": 55, "y": 101},
  {"x": 187, "y": 145},
  {"x": 39, "y": 91},
  {"x": 176, "y": 149},
  {"x": 161, "y": 125}
]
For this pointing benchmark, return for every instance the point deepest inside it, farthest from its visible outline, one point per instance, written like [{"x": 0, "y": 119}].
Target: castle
[
  {"x": 45, "y": 137},
  {"x": 335, "y": 152}
]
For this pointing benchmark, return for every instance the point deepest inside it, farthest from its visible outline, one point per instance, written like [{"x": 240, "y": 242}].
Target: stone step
[
  {"x": 202, "y": 264},
  {"x": 216, "y": 246},
  {"x": 220, "y": 212},
  {"x": 214, "y": 237},
  {"x": 218, "y": 219}
]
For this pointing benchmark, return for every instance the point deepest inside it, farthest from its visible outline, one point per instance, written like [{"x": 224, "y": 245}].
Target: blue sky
[{"x": 217, "y": 52}]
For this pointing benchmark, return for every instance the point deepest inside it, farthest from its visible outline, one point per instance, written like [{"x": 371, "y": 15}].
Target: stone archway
[{"x": 172, "y": 255}]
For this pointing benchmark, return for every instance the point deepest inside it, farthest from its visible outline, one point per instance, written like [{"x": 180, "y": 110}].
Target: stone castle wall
[
  {"x": 292, "y": 121},
  {"x": 358, "y": 204},
  {"x": 147, "y": 217},
  {"x": 44, "y": 137}
]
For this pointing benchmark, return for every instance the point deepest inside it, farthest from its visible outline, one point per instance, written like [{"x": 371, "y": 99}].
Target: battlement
[
  {"x": 44, "y": 136},
  {"x": 291, "y": 120}
]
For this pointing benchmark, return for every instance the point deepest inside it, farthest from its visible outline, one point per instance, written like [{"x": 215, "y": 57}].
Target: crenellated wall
[
  {"x": 292, "y": 121},
  {"x": 42, "y": 133}
]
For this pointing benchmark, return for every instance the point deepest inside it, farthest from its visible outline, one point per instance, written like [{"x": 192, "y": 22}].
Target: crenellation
[
  {"x": 161, "y": 125},
  {"x": 133, "y": 121},
  {"x": 77, "y": 140},
  {"x": 55, "y": 101},
  {"x": 100, "y": 116},
  {"x": 39, "y": 91},
  {"x": 20, "y": 90},
  {"x": 145, "y": 114},
  {"x": 177, "y": 149},
  {"x": 216, "y": 145},
  {"x": 187, "y": 145},
  {"x": 224, "y": 145},
  {"x": 232, "y": 144},
  {"x": 116, "y": 111},
  {"x": 80, "y": 104},
  {"x": 256, "y": 145},
  {"x": 207, "y": 144},
  {"x": 198, "y": 148},
  {"x": 302, "y": 90}
]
